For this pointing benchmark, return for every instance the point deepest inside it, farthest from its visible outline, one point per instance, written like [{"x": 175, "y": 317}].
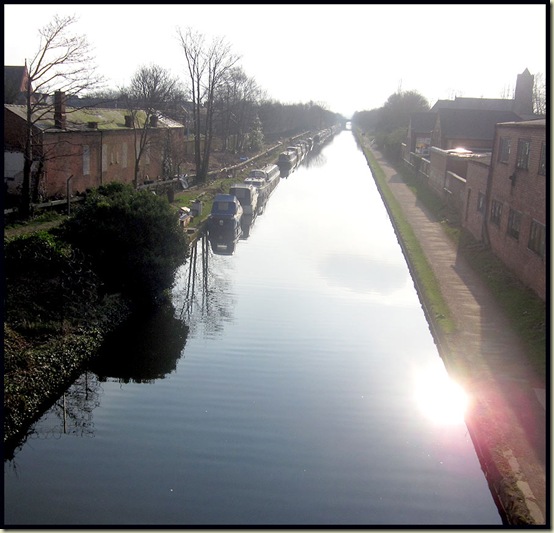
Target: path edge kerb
[{"x": 510, "y": 506}]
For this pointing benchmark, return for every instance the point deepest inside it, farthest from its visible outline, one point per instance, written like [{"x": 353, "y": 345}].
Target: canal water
[{"x": 295, "y": 382}]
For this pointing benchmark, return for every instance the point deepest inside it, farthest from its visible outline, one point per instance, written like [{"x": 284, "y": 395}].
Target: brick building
[
  {"x": 446, "y": 174},
  {"x": 475, "y": 205},
  {"x": 471, "y": 129},
  {"x": 88, "y": 148},
  {"x": 486, "y": 159},
  {"x": 506, "y": 203}
]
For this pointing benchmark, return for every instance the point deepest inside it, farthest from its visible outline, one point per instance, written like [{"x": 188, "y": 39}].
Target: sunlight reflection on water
[{"x": 440, "y": 399}]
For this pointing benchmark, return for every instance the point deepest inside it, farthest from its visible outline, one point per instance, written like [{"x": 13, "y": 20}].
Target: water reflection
[
  {"x": 246, "y": 223},
  {"x": 315, "y": 158},
  {"x": 439, "y": 398},
  {"x": 202, "y": 294},
  {"x": 361, "y": 274},
  {"x": 146, "y": 348},
  {"x": 221, "y": 246},
  {"x": 71, "y": 414}
]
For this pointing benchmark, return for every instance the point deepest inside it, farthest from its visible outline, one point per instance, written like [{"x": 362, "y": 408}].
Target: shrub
[{"x": 133, "y": 240}]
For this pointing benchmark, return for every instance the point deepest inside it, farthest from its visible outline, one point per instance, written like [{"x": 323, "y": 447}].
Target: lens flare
[{"x": 440, "y": 399}]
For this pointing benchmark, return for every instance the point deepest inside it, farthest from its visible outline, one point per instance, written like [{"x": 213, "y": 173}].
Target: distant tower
[{"x": 523, "y": 100}]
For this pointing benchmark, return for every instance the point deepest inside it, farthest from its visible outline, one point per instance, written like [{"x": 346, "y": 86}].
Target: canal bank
[{"x": 507, "y": 417}]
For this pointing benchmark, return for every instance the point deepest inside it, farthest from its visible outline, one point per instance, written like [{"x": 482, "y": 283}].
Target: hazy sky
[{"x": 349, "y": 57}]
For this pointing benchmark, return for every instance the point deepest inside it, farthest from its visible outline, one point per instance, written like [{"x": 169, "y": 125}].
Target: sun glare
[{"x": 439, "y": 398}]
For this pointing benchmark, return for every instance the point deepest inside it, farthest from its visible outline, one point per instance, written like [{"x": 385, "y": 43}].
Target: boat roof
[{"x": 224, "y": 198}]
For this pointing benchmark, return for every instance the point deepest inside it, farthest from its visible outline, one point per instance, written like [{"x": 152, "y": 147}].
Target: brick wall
[
  {"x": 475, "y": 197},
  {"x": 455, "y": 187},
  {"x": 525, "y": 195},
  {"x": 437, "y": 170},
  {"x": 97, "y": 158}
]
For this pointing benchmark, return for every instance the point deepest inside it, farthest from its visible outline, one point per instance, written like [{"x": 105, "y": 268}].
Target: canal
[{"x": 295, "y": 382}]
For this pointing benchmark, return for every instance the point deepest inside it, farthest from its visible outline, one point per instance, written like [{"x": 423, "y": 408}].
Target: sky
[{"x": 346, "y": 57}]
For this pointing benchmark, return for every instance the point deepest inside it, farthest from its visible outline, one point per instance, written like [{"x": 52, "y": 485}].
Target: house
[
  {"x": 486, "y": 159},
  {"x": 466, "y": 122},
  {"x": 446, "y": 174},
  {"x": 15, "y": 84},
  {"x": 506, "y": 202},
  {"x": 471, "y": 129},
  {"x": 78, "y": 149},
  {"x": 420, "y": 131},
  {"x": 521, "y": 103}
]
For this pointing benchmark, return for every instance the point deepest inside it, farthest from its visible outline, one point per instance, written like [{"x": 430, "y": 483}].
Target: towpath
[{"x": 508, "y": 418}]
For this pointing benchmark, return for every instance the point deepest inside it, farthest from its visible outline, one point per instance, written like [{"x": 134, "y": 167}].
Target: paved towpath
[{"x": 508, "y": 417}]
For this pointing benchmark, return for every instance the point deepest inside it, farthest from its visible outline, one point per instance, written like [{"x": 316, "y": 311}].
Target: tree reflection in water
[
  {"x": 71, "y": 414},
  {"x": 146, "y": 348}
]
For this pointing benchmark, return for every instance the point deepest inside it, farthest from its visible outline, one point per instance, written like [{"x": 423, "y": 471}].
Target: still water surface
[{"x": 296, "y": 383}]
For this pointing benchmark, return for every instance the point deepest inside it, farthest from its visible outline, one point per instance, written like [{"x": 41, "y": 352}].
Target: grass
[{"x": 525, "y": 310}]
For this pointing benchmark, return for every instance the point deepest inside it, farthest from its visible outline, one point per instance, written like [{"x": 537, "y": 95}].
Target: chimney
[
  {"x": 59, "y": 110},
  {"x": 154, "y": 121},
  {"x": 523, "y": 100},
  {"x": 128, "y": 121},
  {"x": 92, "y": 125}
]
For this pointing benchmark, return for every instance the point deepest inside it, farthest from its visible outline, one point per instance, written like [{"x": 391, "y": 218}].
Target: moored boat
[
  {"x": 225, "y": 217},
  {"x": 287, "y": 159},
  {"x": 265, "y": 180},
  {"x": 247, "y": 195}
]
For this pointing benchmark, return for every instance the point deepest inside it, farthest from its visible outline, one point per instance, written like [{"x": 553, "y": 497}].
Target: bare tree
[
  {"x": 539, "y": 95},
  {"x": 152, "y": 91},
  {"x": 207, "y": 65},
  {"x": 62, "y": 63},
  {"x": 237, "y": 99}
]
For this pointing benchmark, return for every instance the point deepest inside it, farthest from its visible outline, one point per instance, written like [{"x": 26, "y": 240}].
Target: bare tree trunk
[
  {"x": 61, "y": 60},
  {"x": 206, "y": 68}
]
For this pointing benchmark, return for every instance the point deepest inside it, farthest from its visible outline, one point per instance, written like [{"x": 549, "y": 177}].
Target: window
[
  {"x": 514, "y": 223},
  {"x": 523, "y": 147},
  {"x": 86, "y": 160},
  {"x": 542, "y": 160},
  {"x": 496, "y": 212},
  {"x": 481, "y": 203},
  {"x": 504, "y": 150},
  {"x": 537, "y": 238},
  {"x": 124, "y": 155}
]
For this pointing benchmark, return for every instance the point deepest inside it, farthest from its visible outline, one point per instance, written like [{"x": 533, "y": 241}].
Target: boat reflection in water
[
  {"x": 225, "y": 243},
  {"x": 222, "y": 247},
  {"x": 246, "y": 223}
]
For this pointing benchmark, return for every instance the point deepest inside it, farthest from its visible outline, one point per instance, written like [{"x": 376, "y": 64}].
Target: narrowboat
[
  {"x": 247, "y": 195},
  {"x": 225, "y": 217}
]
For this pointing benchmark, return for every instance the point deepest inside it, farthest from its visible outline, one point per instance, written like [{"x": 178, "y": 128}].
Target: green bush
[{"x": 132, "y": 238}]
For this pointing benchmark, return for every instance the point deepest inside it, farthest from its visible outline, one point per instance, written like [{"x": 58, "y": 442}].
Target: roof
[
  {"x": 14, "y": 82},
  {"x": 490, "y": 104},
  {"x": 472, "y": 123},
  {"x": 78, "y": 119},
  {"x": 422, "y": 122},
  {"x": 224, "y": 198}
]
